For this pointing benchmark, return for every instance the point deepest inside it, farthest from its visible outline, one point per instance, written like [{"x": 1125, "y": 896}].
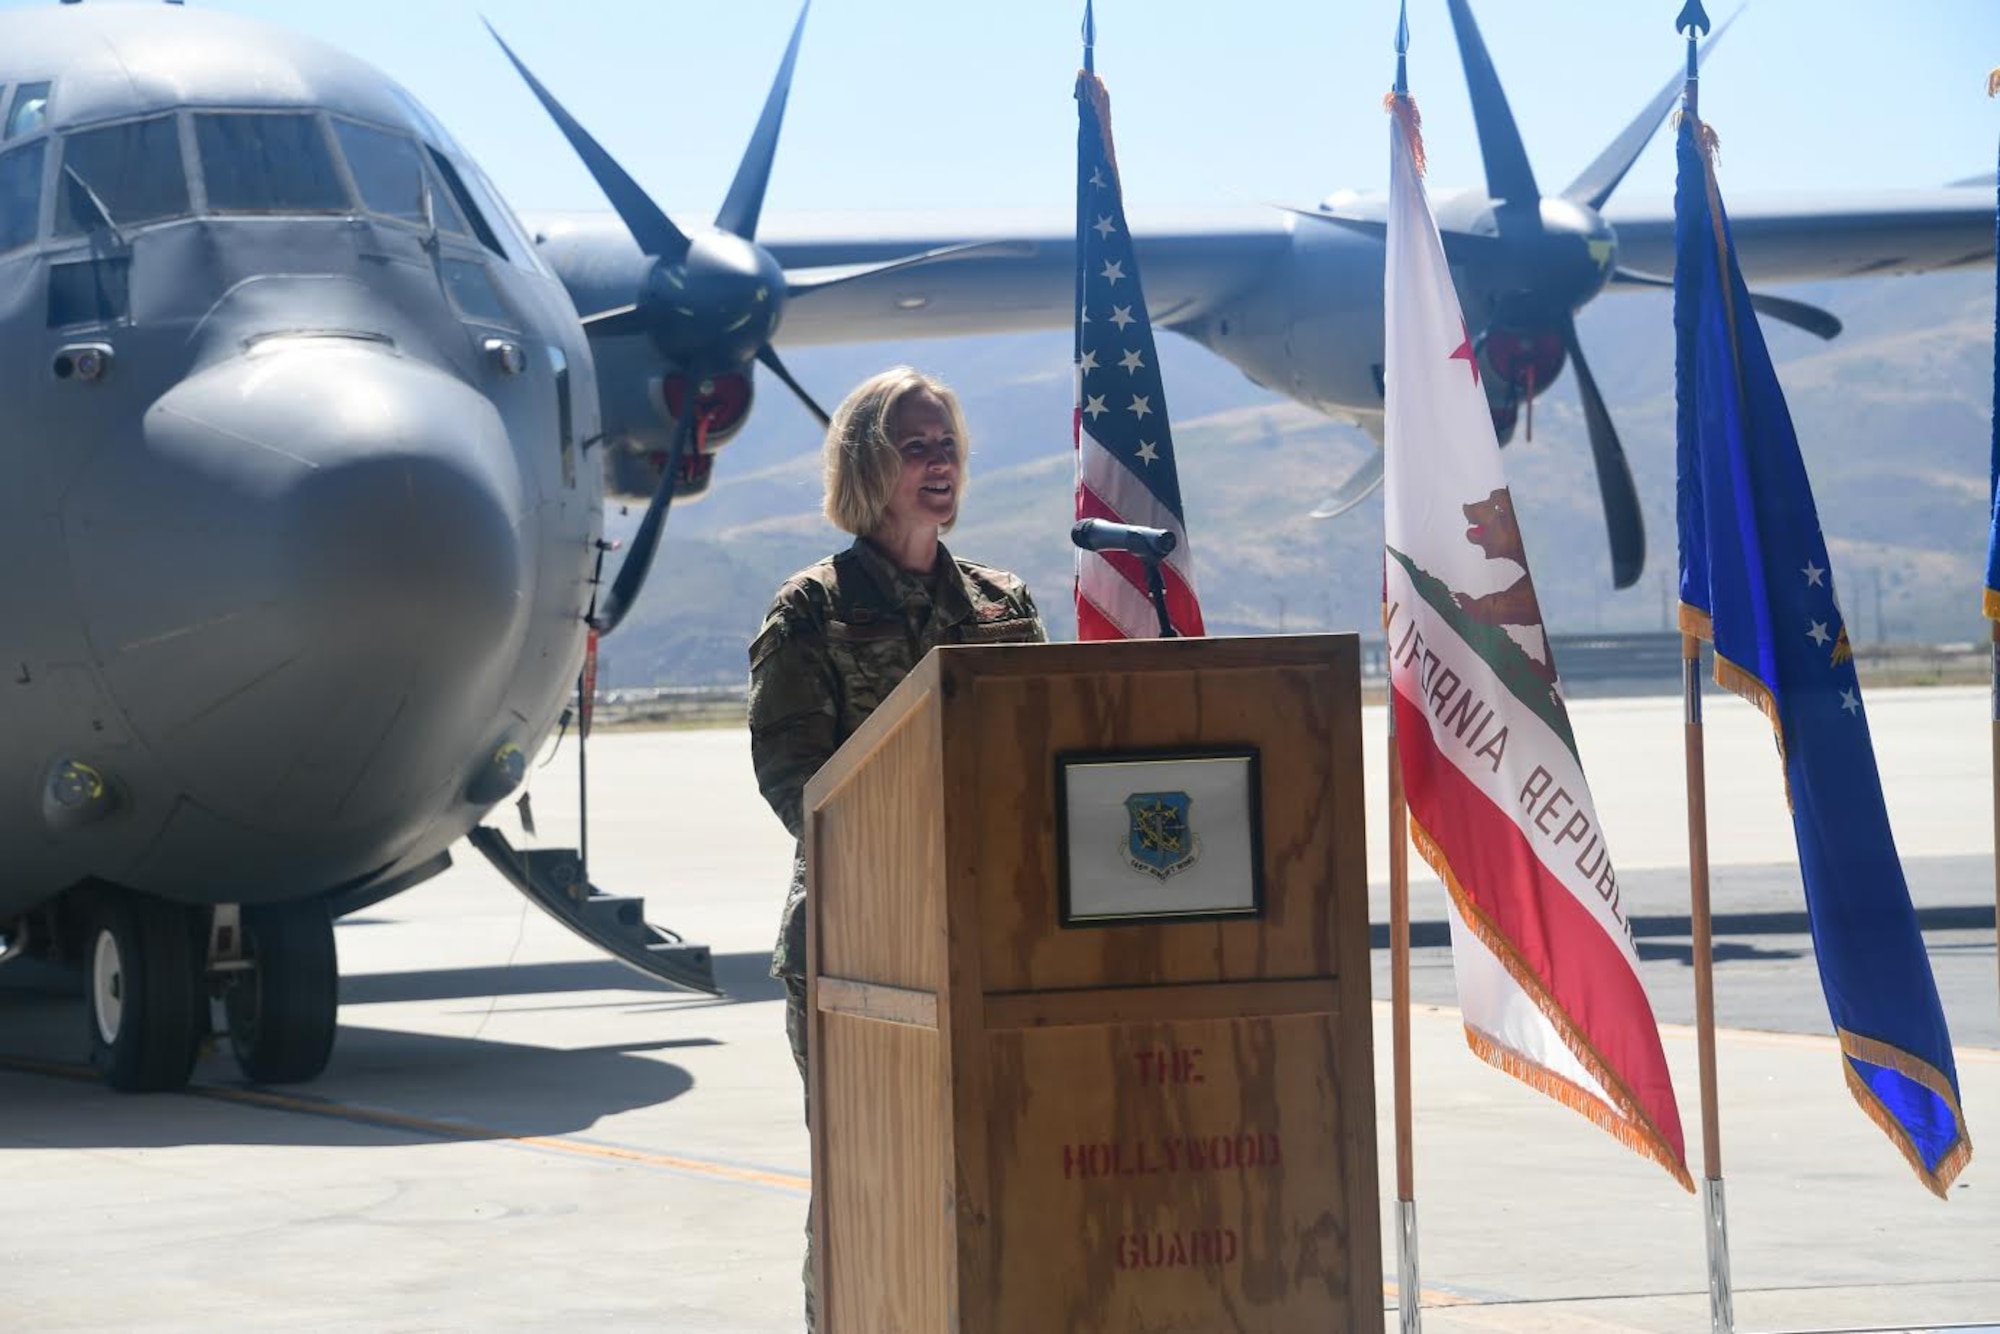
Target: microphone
[{"x": 1103, "y": 535}]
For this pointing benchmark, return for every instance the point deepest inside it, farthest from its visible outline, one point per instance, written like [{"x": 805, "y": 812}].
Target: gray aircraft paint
[{"x": 313, "y": 549}]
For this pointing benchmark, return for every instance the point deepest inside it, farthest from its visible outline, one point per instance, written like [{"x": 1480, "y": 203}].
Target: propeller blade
[
  {"x": 1626, "y": 526},
  {"x": 769, "y": 356},
  {"x": 638, "y": 562},
  {"x": 1815, "y": 320},
  {"x": 652, "y": 229},
  {"x": 800, "y": 281},
  {"x": 616, "y": 322},
  {"x": 1601, "y": 177},
  {"x": 1358, "y": 486},
  {"x": 746, "y": 193},
  {"x": 1509, "y": 179}
]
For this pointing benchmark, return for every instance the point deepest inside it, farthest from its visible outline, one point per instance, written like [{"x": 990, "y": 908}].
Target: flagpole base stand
[
  {"x": 1721, "y": 1302},
  {"x": 1409, "y": 1291}
]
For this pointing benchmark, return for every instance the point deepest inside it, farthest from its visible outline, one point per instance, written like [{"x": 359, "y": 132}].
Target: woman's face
[{"x": 926, "y": 491}]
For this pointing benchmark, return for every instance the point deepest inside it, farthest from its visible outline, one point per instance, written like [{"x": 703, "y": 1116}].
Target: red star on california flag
[{"x": 1465, "y": 352}]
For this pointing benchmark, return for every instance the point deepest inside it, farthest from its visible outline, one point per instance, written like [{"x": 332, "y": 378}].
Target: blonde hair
[{"x": 861, "y": 457}]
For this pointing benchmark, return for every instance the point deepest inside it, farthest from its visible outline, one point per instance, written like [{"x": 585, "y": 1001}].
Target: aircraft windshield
[
  {"x": 254, "y": 162},
  {"x": 29, "y": 111},
  {"x": 389, "y": 171},
  {"x": 21, "y": 194},
  {"x": 121, "y": 175}
]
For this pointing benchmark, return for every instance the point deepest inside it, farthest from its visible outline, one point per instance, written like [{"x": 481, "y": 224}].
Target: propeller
[
  {"x": 711, "y": 299},
  {"x": 1539, "y": 261}
]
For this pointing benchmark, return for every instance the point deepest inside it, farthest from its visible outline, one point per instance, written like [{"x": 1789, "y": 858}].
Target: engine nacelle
[{"x": 638, "y": 446}]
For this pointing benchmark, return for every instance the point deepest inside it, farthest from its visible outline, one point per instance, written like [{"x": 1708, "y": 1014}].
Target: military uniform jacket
[{"x": 838, "y": 638}]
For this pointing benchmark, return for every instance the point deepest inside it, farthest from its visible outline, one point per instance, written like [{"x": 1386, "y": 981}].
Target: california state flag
[{"x": 1548, "y": 978}]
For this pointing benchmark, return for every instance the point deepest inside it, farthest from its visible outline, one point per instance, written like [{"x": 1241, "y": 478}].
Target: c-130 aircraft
[{"x": 307, "y": 439}]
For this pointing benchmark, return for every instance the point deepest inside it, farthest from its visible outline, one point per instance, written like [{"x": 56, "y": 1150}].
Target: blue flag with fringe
[
  {"x": 1991, "y": 602},
  {"x": 1756, "y": 583}
]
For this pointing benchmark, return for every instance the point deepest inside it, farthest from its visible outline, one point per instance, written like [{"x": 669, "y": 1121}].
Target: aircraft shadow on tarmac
[{"x": 384, "y": 1087}]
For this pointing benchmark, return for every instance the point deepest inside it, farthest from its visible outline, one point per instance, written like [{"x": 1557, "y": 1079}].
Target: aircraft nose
[{"x": 304, "y": 583}]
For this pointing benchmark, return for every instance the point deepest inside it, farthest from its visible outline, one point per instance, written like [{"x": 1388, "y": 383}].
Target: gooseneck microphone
[
  {"x": 1103, "y": 535},
  {"x": 1150, "y": 545}
]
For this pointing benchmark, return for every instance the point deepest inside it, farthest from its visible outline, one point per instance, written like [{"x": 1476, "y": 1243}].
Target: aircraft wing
[
  {"x": 1803, "y": 238},
  {"x": 1195, "y": 260},
  {"x": 1025, "y": 280}
]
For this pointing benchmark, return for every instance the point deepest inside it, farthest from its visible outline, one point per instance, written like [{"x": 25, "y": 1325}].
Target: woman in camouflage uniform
[{"x": 841, "y": 634}]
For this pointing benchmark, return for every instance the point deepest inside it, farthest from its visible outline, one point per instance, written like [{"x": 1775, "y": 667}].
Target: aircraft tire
[
  {"x": 284, "y": 1012},
  {"x": 144, "y": 993}
]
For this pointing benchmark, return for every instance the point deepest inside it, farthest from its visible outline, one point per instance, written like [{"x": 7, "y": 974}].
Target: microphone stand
[{"x": 1157, "y": 587}]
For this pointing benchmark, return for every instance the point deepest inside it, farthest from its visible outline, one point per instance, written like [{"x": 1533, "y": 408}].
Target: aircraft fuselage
[{"x": 300, "y": 503}]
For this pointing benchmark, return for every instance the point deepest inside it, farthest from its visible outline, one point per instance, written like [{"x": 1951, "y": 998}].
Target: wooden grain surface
[
  {"x": 883, "y": 1169},
  {"x": 1311, "y": 809},
  {"x": 878, "y": 865},
  {"x": 1164, "y": 1127},
  {"x": 1174, "y": 1177}
]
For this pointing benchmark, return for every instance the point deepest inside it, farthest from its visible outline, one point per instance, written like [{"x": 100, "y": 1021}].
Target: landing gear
[
  {"x": 283, "y": 1010},
  {"x": 145, "y": 998}
]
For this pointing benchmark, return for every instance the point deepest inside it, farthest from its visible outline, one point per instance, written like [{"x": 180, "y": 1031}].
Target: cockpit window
[
  {"x": 473, "y": 290},
  {"x": 259, "y": 162},
  {"x": 29, "y": 110},
  {"x": 518, "y": 247},
  {"x": 389, "y": 171},
  {"x": 466, "y": 204},
  {"x": 21, "y": 194},
  {"x": 121, "y": 175}
]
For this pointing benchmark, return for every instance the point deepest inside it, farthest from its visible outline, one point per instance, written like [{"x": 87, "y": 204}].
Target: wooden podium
[{"x": 1081, "y": 1065}]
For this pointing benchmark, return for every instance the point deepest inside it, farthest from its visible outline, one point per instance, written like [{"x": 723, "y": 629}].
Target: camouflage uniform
[{"x": 838, "y": 638}]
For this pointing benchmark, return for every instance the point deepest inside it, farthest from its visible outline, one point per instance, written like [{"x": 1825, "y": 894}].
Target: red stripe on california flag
[
  {"x": 1550, "y": 932},
  {"x": 1182, "y": 605}
]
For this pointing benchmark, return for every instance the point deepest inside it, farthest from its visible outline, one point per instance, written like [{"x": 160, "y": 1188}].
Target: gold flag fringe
[
  {"x": 1404, "y": 108},
  {"x": 1921, "y": 1072},
  {"x": 1990, "y": 604},
  {"x": 1090, "y": 86},
  {"x": 1993, "y": 83},
  {"x": 1627, "y": 1122},
  {"x": 1694, "y": 621},
  {"x": 1705, "y": 137}
]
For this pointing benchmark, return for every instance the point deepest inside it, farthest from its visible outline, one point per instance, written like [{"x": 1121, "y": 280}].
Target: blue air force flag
[
  {"x": 1992, "y": 598},
  {"x": 1756, "y": 583}
]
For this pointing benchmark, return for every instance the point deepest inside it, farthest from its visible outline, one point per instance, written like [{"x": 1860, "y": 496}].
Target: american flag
[{"x": 1124, "y": 446}]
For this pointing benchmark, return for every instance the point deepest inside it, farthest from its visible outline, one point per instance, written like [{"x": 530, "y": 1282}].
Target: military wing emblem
[{"x": 1160, "y": 838}]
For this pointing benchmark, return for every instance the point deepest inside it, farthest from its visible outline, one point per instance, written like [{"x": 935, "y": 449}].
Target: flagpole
[
  {"x": 1409, "y": 1287},
  {"x": 1993, "y": 89},
  {"x": 1721, "y": 1313},
  {"x": 1693, "y": 21},
  {"x": 1409, "y": 1313}
]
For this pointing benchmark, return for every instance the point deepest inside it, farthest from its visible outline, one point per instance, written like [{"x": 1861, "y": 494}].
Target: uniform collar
[{"x": 952, "y": 601}]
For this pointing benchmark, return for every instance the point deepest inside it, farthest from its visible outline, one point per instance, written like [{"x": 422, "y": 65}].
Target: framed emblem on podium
[{"x": 1143, "y": 835}]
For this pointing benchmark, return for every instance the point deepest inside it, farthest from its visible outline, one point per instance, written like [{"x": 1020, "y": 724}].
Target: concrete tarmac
[{"x": 518, "y": 1134}]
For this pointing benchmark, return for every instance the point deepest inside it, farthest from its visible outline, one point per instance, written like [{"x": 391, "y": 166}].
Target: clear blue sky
[{"x": 902, "y": 104}]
